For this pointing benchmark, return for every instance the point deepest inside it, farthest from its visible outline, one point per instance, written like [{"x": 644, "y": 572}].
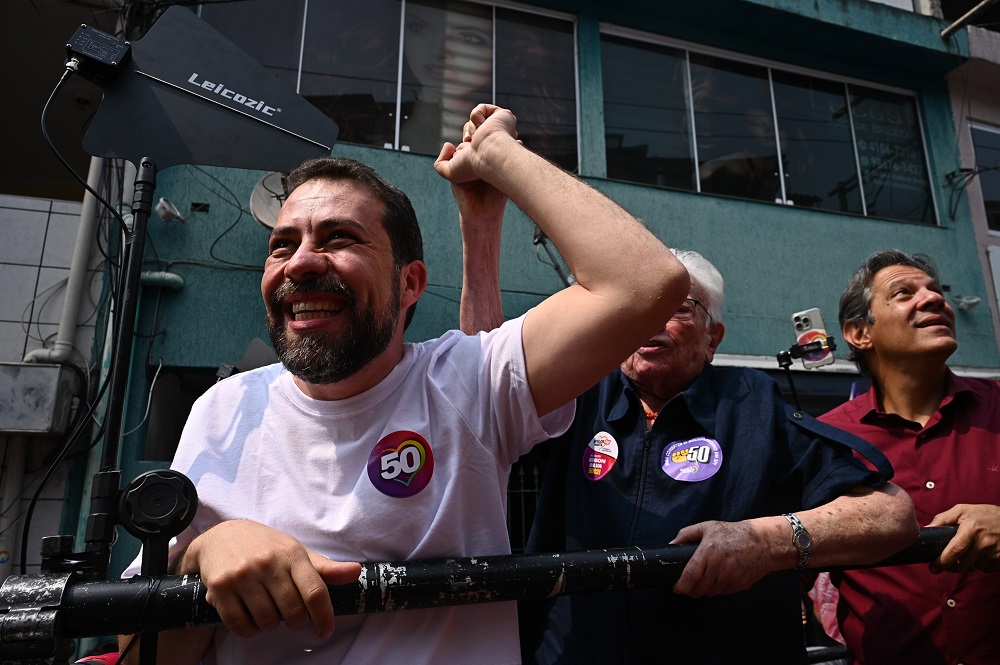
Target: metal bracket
[{"x": 29, "y": 625}]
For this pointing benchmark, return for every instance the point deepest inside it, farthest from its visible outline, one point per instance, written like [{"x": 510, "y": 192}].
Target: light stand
[{"x": 157, "y": 100}]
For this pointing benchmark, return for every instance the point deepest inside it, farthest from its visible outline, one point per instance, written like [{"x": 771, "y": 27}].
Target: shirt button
[
  {"x": 922, "y": 436},
  {"x": 797, "y": 415},
  {"x": 951, "y": 602},
  {"x": 929, "y": 484}
]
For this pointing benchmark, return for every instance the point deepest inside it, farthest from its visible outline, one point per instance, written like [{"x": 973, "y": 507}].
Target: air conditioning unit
[{"x": 36, "y": 399}]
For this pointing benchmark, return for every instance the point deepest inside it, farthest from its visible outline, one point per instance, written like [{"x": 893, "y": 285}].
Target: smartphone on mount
[{"x": 809, "y": 327}]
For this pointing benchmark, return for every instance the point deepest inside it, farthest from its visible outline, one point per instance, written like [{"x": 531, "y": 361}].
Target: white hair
[{"x": 707, "y": 276}]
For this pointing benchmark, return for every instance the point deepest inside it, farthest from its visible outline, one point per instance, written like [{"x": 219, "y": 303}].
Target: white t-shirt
[{"x": 414, "y": 468}]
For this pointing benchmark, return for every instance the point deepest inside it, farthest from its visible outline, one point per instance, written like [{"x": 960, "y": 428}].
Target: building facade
[{"x": 785, "y": 141}]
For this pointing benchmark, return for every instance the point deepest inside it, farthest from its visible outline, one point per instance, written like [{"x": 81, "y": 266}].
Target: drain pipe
[
  {"x": 161, "y": 279},
  {"x": 77, "y": 274},
  {"x": 968, "y": 16}
]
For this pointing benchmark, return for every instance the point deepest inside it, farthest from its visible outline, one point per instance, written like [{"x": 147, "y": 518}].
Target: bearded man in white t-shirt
[{"x": 358, "y": 447}]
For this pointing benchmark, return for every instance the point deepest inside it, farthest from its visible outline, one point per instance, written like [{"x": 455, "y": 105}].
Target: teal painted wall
[{"x": 776, "y": 259}]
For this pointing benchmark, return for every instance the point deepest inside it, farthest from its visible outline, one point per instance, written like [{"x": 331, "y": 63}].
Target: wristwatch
[{"x": 801, "y": 539}]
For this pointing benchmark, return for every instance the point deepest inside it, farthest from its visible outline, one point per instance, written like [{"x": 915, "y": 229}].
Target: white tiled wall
[{"x": 37, "y": 240}]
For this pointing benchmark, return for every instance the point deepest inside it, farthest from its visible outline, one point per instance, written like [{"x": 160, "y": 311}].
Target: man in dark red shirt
[{"x": 942, "y": 434}]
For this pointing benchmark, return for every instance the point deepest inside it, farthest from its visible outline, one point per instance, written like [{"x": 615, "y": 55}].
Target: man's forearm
[
  {"x": 599, "y": 240},
  {"x": 481, "y": 307},
  {"x": 862, "y": 527},
  {"x": 628, "y": 283}
]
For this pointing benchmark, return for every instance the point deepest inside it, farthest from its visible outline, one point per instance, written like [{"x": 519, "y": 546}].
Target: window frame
[
  {"x": 990, "y": 129},
  {"x": 572, "y": 19},
  {"x": 687, "y": 48}
]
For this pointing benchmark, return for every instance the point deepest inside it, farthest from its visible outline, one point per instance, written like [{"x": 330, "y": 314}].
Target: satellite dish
[{"x": 266, "y": 198}]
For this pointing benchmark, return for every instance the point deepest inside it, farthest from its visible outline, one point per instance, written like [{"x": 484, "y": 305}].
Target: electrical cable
[
  {"x": 95, "y": 305},
  {"x": 76, "y": 431},
  {"x": 153, "y": 334},
  {"x": 235, "y": 203},
  {"x": 26, "y": 324},
  {"x": 102, "y": 427},
  {"x": 13, "y": 503},
  {"x": 149, "y": 401},
  {"x": 84, "y": 414},
  {"x": 71, "y": 67},
  {"x": 217, "y": 266}
]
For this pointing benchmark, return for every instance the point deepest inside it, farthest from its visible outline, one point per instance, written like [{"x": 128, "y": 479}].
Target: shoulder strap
[{"x": 864, "y": 448}]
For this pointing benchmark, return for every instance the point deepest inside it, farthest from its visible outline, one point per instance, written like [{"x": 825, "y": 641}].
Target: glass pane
[
  {"x": 350, "y": 65},
  {"x": 987, "y": 145},
  {"x": 268, "y": 30},
  {"x": 447, "y": 70},
  {"x": 536, "y": 80},
  {"x": 734, "y": 126},
  {"x": 646, "y": 127},
  {"x": 816, "y": 147},
  {"x": 891, "y": 153}
]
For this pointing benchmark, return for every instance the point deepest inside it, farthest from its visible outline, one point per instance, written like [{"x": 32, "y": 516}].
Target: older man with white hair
[{"x": 671, "y": 449}]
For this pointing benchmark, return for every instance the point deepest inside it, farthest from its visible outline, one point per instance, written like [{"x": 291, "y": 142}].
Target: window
[
  {"x": 350, "y": 67},
  {"x": 273, "y": 41},
  {"x": 405, "y": 75},
  {"x": 647, "y": 128},
  {"x": 447, "y": 69},
  {"x": 986, "y": 142},
  {"x": 536, "y": 78},
  {"x": 891, "y": 154},
  {"x": 816, "y": 146},
  {"x": 719, "y": 125},
  {"x": 734, "y": 129}
]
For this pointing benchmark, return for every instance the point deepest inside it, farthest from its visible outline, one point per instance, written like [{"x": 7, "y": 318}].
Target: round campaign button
[
  {"x": 599, "y": 456},
  {"x": 401, "y": 464},
  {"x": 692, "y": 460}
]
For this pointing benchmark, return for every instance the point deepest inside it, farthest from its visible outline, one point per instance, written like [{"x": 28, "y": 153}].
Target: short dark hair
[
  {"x": 855, "y": 303},
  {"x": 398, "y": 217}
]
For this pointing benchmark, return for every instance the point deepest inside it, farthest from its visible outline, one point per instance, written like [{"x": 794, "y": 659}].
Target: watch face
[{"x": 802, "y": 539}]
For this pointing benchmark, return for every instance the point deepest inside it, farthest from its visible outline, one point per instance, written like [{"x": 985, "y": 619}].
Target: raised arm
[
  {"x": 628, "y": 282},
  {"x": 480, "y": 218},
  {"x": 863, "y": 526}
]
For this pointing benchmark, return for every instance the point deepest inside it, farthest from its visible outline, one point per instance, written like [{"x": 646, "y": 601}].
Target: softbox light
[{"x": 190, "y": 96}]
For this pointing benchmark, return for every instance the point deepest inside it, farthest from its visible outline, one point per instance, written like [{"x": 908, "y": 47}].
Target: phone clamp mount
[
  {"x": 801, "y": 350},
  {"x": 827, "y": 343},
  {"x": 154, "y": 508}
]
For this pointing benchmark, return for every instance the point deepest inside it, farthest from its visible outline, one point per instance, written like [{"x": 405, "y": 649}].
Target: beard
[{"x": 322, "y": 358}]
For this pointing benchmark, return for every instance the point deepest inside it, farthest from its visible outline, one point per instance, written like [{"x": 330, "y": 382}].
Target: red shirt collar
[{"x": 867, "y": 404}]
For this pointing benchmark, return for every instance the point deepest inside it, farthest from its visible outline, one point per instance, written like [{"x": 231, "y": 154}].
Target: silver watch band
[{"x": 801, "y": 540}]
